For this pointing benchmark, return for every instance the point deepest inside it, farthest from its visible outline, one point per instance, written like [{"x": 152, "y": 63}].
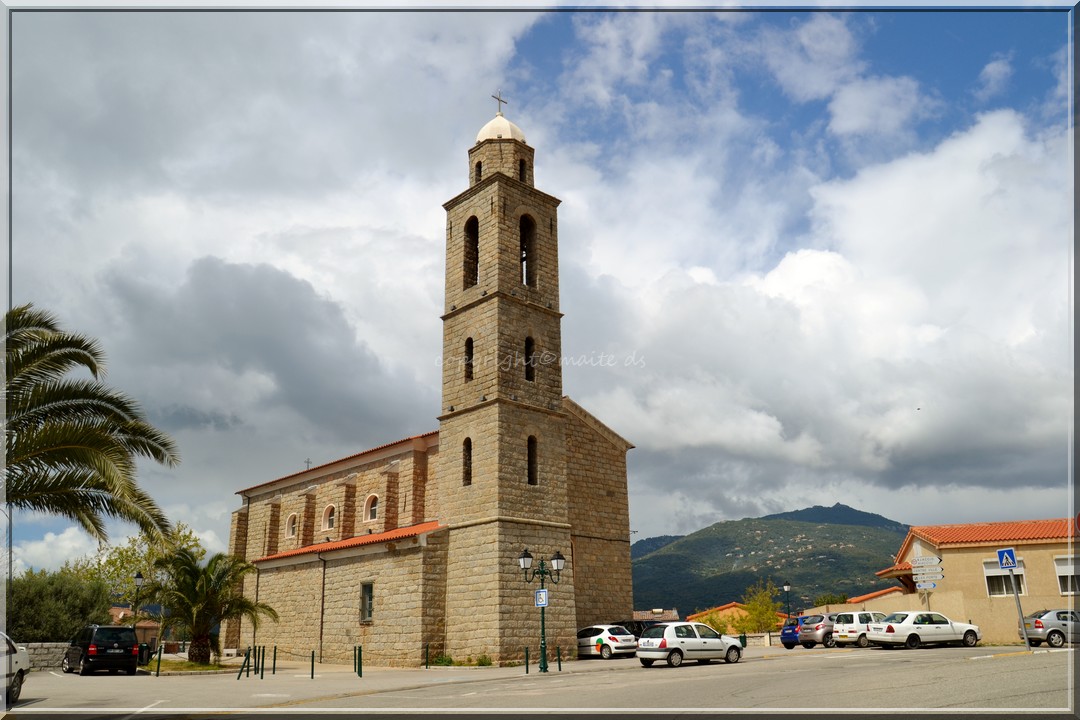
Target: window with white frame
[
  {"x": 290, "y": 526},
  {"x": 328, "y": 517},
  {"x": 371, "y": 508},
  {"x": 1068, "y": 574},
  {"x": 998, "y": 580}
]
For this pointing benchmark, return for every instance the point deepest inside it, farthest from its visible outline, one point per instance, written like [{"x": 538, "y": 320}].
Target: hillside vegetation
[{"x": 837, "y": 551}]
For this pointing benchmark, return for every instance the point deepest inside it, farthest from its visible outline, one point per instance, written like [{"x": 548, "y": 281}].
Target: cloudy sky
[{"x": 806, "y": 258}]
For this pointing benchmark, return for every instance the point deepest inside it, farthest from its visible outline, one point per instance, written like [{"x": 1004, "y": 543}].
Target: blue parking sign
[{"x": 1007, "y": 559}]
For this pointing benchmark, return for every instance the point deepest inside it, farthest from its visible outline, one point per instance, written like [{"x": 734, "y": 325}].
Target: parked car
[
  {"x": 789, "y": 634},
  {"x": 912, "y": 628},
  {"x": 102, "y": 647},
  {"x": 817, "y": 629},
  {"x": 605, "y": 641},
  {"x": 677, "y": 641},
  {"x": 851, "y": 627},
  {"x": 637, "y": 626},
  {"x": 1054, "y": 627},
  {"x": 16, "y": 668}
]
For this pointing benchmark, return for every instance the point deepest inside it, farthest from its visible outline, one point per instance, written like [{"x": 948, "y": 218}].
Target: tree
[
  {"x": 52, "y": 606},
  {"x": 116, "y": 565},
  {"x": 196, "y": 598},
  {"x": 72, "y": 444},
  {"x": 830, "y": 599},
  {"x": 761, "y": 608}
]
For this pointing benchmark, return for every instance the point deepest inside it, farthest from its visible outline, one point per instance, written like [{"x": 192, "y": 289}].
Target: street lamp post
[
  {"x": 139, "y": 580},
  {"x": 542, "y": 572},
  {"x": 787, "y": 591}
]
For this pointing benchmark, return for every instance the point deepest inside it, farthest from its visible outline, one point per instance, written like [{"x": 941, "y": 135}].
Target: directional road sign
[
  {"x": 927, "y": 569},
  {"x": 929, "y": 576},
  {"x": 921, "y": 560},
  {"x": 925, "y": 585}
]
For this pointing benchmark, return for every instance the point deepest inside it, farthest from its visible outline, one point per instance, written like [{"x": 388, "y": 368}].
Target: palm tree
[
  {"x": 72, "y": 443},
  {"x": 198, "y": 598}
]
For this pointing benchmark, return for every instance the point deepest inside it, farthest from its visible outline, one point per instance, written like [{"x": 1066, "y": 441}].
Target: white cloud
[
  {"x": 52, "y": 551},
  {"x": 876, "y": 106},
  {"x": 994, "y": 78},
  {"x": 814, "y": 59}
]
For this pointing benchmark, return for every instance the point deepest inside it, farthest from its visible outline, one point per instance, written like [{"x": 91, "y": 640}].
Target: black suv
[{"x": 103, "y": 647}]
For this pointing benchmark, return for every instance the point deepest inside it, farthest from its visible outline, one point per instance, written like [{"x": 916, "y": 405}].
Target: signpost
[
  {"x": 925, "y": 570},
  {"x": 1007, "y": 561}
]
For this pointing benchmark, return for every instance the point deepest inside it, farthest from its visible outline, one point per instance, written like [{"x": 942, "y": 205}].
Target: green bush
[
  {"x": 442, "y": 660},
  {"x": 483, "y": 661}
]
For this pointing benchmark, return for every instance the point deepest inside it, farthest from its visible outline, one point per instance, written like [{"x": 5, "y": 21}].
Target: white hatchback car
[
  {"x": 851, "y": 627},
  {"x": 605, "y": 641},
  {"x": 912, "y": 628},
  {"x": 675, "y": 642}
]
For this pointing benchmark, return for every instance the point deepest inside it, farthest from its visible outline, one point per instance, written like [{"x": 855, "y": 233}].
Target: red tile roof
[
  {"x": 357, "y": 541},
  {"x": 877, "y": 593},
  {"x": 898, "y": 567},
  {"x": 973, "y": 533}
]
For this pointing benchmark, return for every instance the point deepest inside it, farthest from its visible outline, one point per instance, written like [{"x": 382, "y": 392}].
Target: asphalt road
[{"x": 767, "y": 678}]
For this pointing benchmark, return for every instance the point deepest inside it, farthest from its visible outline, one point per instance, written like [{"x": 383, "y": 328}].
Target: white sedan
[
  {"x": 912, "y": 628},
  {"x": 675, "y": 642}
]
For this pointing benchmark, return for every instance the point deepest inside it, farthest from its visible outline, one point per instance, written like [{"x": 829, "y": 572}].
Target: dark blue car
[{"x": 789, "y": 634}]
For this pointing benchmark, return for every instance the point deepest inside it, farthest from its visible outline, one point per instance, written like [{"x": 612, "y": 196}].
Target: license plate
[{"x": 115, "y": 651}]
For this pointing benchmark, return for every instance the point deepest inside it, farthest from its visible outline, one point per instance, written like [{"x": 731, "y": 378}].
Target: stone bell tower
[{"x": 502, "y": 435}]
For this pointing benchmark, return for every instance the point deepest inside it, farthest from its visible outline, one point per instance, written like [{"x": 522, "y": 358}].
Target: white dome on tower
[{"x": 499, "y": 128}]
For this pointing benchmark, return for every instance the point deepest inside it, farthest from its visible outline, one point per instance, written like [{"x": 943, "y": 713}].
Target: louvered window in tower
[{"x": 527, "y": 230}]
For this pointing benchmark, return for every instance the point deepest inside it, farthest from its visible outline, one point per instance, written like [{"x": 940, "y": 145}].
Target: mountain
[
  {"x": 648, "y": 545},
  {"x": 822, "y": 550},
  {"x": 839, "y": 515}
]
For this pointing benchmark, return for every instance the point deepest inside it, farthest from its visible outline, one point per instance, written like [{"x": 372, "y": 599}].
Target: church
[{"x": 411, "y": 549}]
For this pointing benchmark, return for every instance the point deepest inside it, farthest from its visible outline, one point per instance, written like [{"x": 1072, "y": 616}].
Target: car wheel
[
  {"x": 646, "y": 662},
  {"x": 65, "y": 665},
  {"x": 808, "y": 645},
  {"x": 15, "y": 689},
  {"x": 912, "y": 642},
  {"x": 1035, "y": 643},
  {"x": 828, "y": 641},
  {"x": 674, "y": 659},
  {"x": 1055, "y": 639},
  {"x": 133, "y": 670},
  {"x": 733, "y": 654},
  {"x": 789, "y": 646},
  {"x": 605, "y": 652},
  {"x": 862, "y": 641},
  {"x": 84, "y": 669}
]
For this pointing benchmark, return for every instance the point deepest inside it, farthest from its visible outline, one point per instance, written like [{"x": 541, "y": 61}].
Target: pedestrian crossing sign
[{"x": 1007, "y": 559}]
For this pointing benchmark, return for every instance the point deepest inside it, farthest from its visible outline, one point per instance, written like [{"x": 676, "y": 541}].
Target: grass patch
[{"x": 184, "y": 666}]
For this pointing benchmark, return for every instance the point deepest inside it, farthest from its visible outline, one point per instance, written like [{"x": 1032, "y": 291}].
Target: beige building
[
  {"x": 973, "y": 587},
  {"x": 413, "y": 546}
]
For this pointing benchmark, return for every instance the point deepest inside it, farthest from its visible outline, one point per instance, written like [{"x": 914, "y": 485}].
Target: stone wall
[{"x": 45, "y": 655}]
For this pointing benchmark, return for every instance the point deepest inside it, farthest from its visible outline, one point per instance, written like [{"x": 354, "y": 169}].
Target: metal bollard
[
  {"x": 262, "y": 664},
  {"x": 159, "y": 649},
  {"x": 526, "y": 659},
  {"x": 243, "y": 665},
  {"x": 359, "y": 661},
  {"x": 427, "y": 648},
  {"x": 312, "y": 664},
  {"x": 273, "y": 670},
  {"x": 558, "y": 657}
]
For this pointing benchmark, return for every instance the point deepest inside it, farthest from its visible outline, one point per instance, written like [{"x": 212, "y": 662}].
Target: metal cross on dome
[{"x": 498, "y": 98}]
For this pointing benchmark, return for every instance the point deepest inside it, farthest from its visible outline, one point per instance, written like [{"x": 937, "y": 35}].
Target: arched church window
[
  {"x": 328, "y": 518},
  {"x": 534, "y": 478},
  {"x": 290, "y": 526},
  {"x": 466, "y": 462},
  {"x": 530, "y": 359},
  {"x": 479, "y": 171},
  {"x": 468, "y": 359},
  {"x": 471, "y": 266},
  {"x": 371, "y": 511},
  {"x": 527, "y": 231}
]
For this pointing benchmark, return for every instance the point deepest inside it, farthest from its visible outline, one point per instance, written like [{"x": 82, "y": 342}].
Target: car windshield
[
  {"x": 895, "y": 617},
  {"x": 618, "y": 630},
  {"x": 1038, "y": 613},
  {"x": 656, "y": 631},
  {"x": 811, "y": 619},
  {"x": 791, "y": 623},
  {"x": 115, "y": 635}
]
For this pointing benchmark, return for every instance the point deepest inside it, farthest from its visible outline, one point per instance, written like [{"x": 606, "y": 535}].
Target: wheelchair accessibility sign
[
  {"x": 542, "y": 598},
  {"x": 1007, "y": 559}
]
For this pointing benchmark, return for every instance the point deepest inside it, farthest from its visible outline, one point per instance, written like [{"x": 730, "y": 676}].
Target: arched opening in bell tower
[
  {"x": 471, "y": 264},
  {"x": 527, "y": 233}
]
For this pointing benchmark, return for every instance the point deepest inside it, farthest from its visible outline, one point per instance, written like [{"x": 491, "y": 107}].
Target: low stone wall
[{"x": 45, "y": 655}]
